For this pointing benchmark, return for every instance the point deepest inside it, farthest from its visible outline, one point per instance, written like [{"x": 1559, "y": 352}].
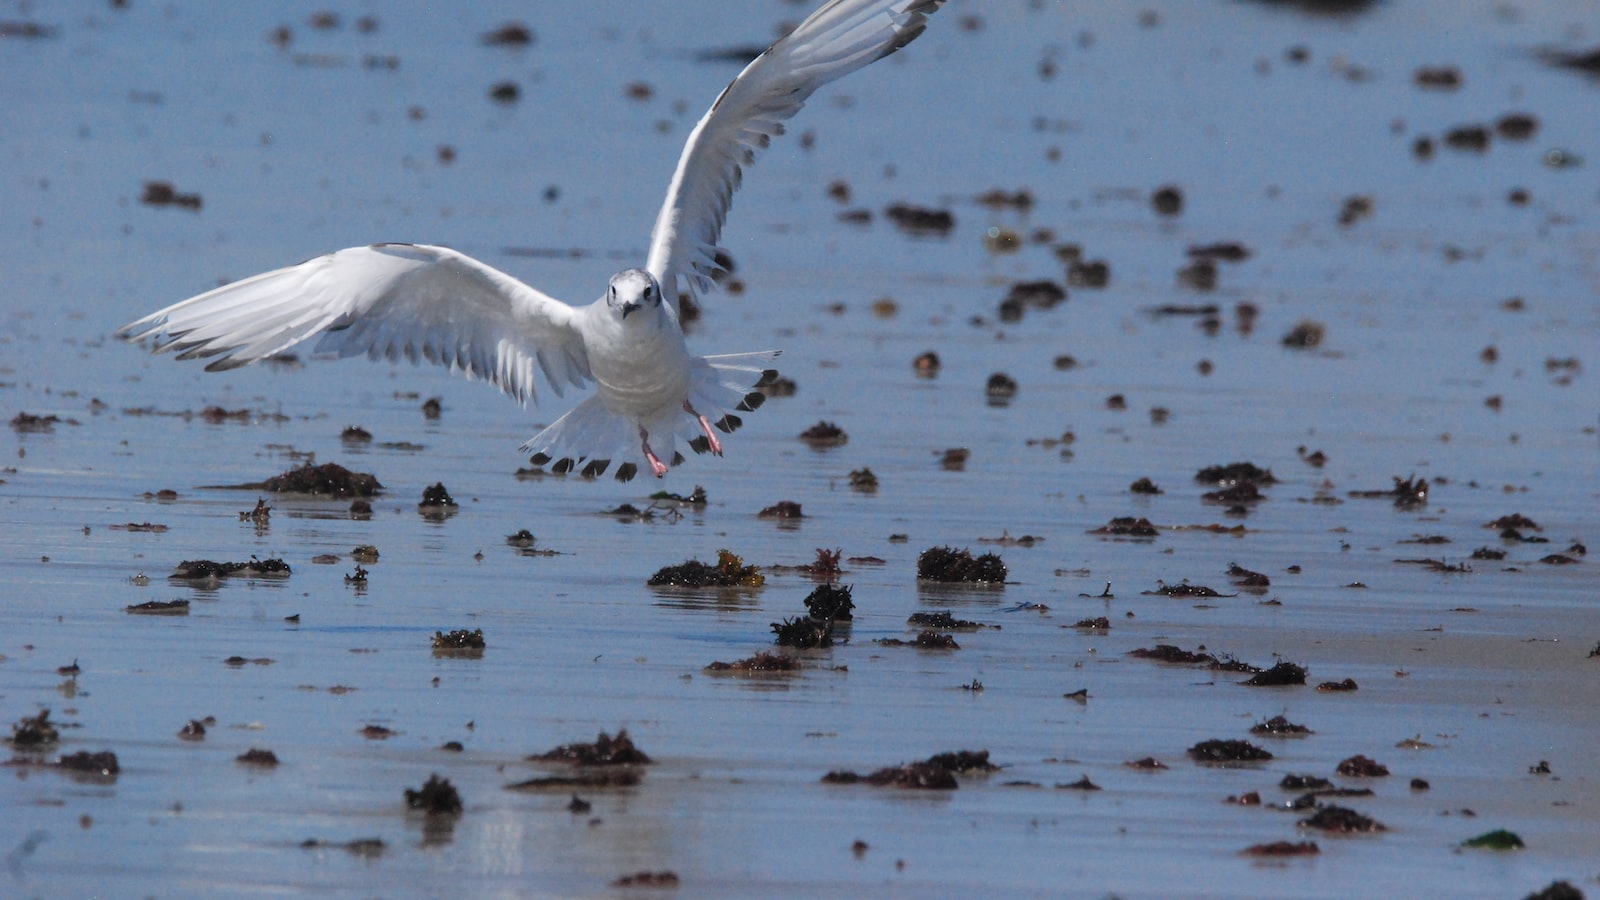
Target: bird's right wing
[
  {"x": 384, "y": 301},
  {"x": 839, "y": 38}
]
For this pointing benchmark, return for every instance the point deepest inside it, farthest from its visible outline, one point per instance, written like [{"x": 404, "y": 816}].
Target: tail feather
[{"x": 590, "y": 438}]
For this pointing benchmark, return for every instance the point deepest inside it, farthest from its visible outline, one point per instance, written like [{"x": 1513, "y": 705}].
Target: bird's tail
[{"x": 591, "y": 438}]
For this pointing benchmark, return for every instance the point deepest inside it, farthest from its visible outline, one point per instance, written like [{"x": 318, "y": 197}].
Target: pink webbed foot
[
  {"x": 714, "y": 445},
  {"x": 657, "y": 467}
]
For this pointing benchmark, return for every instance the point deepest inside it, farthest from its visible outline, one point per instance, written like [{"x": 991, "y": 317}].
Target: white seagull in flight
[{"x": 416, "y": 300}]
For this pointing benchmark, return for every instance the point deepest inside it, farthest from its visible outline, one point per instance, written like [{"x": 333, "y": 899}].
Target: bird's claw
[
  {"x": 712, "y": 444},
  {"x": 657, "y": 467}
]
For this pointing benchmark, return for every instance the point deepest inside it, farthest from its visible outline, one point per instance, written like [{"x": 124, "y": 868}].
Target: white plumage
[{"x": 422, "y": 302}]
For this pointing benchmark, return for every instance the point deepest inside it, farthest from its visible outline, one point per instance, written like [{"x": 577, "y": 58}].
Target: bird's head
[{"x": 632, "y": 290}]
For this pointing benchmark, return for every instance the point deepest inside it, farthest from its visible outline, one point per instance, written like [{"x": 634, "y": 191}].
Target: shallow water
[{"x": 300, "y": 151}]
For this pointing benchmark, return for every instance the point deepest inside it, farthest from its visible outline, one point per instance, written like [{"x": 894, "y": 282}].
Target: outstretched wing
[
  {"x": 385, "y": 301},
  {"x": 834, "y": 41}
]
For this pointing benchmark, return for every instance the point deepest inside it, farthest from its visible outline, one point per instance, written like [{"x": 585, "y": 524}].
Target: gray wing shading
[
  {"x": 834, "y": 41},
  {"x": 385, "y": 301}
]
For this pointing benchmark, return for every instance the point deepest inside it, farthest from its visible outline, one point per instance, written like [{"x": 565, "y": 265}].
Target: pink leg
[
  {"x": 657, "y": 467},
  {"x": 711, "y": 436}
]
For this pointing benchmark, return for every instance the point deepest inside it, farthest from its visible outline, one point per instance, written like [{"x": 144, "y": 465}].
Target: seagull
[{"x": 424, "y": 302}]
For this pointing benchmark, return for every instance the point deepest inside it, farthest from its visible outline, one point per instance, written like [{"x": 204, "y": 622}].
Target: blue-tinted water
[{"x": 299, "y": 151}]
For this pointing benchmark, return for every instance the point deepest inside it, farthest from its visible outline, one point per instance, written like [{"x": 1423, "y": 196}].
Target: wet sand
[{"x": 302, "y": 149}]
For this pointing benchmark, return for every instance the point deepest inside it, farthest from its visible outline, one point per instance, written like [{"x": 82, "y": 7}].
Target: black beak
[{"x": 628, "y": 308}]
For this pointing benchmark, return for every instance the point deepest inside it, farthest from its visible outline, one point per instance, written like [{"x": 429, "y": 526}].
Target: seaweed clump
[
  {"x": 604, "y": 751},
  {"x": 331, "y": 479},
  {"x": 97, "y": 765},
  {"x": 944, "y": 620},
  {"x": 948, "y": 565},
  {"x": 762, "y": 662},
  {"x": 459, "y": 642},
  {"x": 830, "y": 602},
  {"x": 936, "y": 773},
  {"x": 803, "y": 632},
  {"x": 437, "y": 496},
  {"x": 1172, "y": 653},
  {"x": 1128, "y": 526},
  {"x": 1282, "y": 673},
  {"x": 1499, "y": 839},
  {"x": 729, "y": 571},
  {"x": 1235, "y": 473},
  {"x": 1360, "y": 766},
  {"x": 1340, "y": 820},
  {"x": 1221, "y": 751},
  {"x": 438, "y": 797},
  {"x": 1279, "y": 726},
  {"x": 926, "y": 640},
  {"x": 207, "y": 570},
  {"x": 34, "y": 731}
]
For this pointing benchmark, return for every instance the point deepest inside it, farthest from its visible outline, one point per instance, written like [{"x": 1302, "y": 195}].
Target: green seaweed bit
[{"x": 1499, "y": 839}]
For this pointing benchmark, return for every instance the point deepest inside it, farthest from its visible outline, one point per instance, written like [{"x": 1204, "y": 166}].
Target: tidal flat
[{"x": 1049, "y": 277}]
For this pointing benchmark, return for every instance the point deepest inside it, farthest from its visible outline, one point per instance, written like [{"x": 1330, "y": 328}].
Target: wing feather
[
  {"x": 837, "y": 39},
  {"x": 385, "y": 301}
]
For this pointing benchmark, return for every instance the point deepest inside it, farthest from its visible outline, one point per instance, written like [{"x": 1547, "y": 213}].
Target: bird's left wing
[
  {"x": 839, "y": 38},
  {"x": 384, "y": 301}
]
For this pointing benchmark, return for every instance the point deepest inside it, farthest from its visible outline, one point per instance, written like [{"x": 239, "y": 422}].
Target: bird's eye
[{"x": 649, "y": 291}]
